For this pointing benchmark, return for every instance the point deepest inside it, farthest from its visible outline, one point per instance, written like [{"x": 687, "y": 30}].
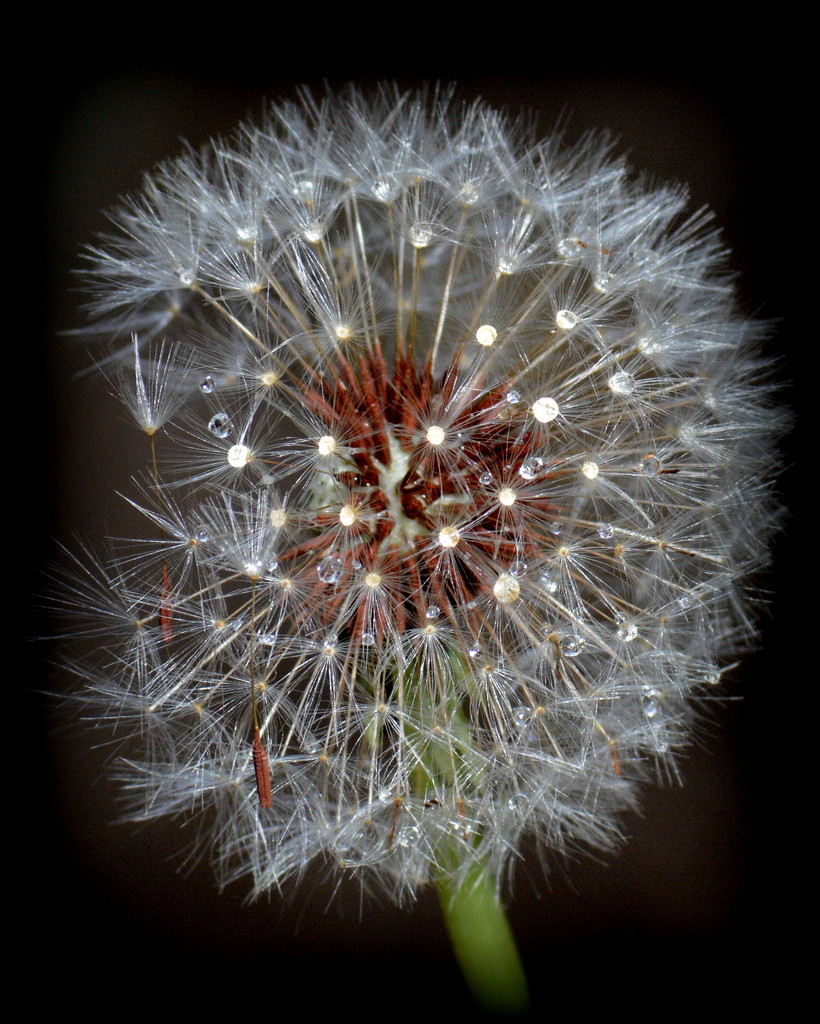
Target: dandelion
[{"x": 458, "y": 463}]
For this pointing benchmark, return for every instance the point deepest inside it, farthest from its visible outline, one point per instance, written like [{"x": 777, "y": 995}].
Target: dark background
[{"x": 699, "y": 898}]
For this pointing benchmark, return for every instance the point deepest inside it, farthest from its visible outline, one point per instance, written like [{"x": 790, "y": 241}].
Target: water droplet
[
  {"x": 433, "y": 612},
  {"x": 408, "y": 836},
  {"x": 202, "y": 536},
  {"x": 486, "y": 479},
  {"x": 449, "y": 537},
  {"x": 266, "y": 639},
  {"x": 303, "y": 189},
  {"x": 627, "y": 632},
  {"x": 606, "y": 531},
  {"x": 475, "y": 651},
  {"x": 621, "y": 383},
  {"x": 572, "y": 645},
  {"x": 313, "y": 232},
  {"x": 508, "y": 264},
  {"x": 522, "y": 716},
  {"x": 566, "y": 319},
  {"x": 604, "y": 283},
  {"x": 530, "y": 469},
  {"x": 550, "y": 584},
  {"x": 506, "y": 589},
  {"x": 513, "y": 396},
  {"x": 486, "y": 334},
  {"x": 590, "y": 470},
  {"x": 420, "y": 234},
  {"x": 220, "y": 425},
  {"x": 649, "y": 465},
  {"x": 207, "y": 385},
  {"x": 239, "y": 455},
  {"x": 253, "y": 569},
  {"x": 650, "y": 703},
  {"x": 518, "y": 568},
  {"x": 569, "y": 248},
  {"x": 330, "y": 569},
  {"x": 368, "y": 639},
  {"x": 506, "y": 496},
  {"x": 545, "y": 410}
]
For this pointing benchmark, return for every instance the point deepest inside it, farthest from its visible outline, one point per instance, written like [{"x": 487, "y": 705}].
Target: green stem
[{"x": 483, "y": 942}]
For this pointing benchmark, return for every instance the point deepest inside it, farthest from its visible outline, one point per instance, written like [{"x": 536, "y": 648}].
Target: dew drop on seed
[
  {"x": 202, "y": 536},
  {"x": 621, "y": 383},
  {"x": 566, "y": 319},
  {"x": 513, "y": 396},
  {"x": 449, "y": 537},
  {"x": 506, "y": 496},
  {"x": 433, "y": 612},
  {"x": 207, "y": 385},
  {"x": 518, "y": 568},
  {"x": 220, "y": 424},
  {"x": 420, "y": 234},
  {"x": 590, "y": 470},
  {"x": 368, "y": 639},
  {"x": 266, "y": 639},
  {"x": 606, "y": 531},
  {"x": 627, "y": 632},
  {"x": 329, "y": 570},
  {"x": 545, "y": 410},
  {"x": 530, "y": 469},
  {"x": 506, "y": 589},
  {"x": 239, "y": 455},
  {"x": 572, "y": 645},
  {"x": 568, "y": 248},
  {"x": 649, "y": 465},
  {"x": 486, "y": 479},
  {"x": 313, "y": 232},
  {"x": 475, "y": 651},
  {"x": 603, "y": 283},
  {"x": 486, "y": 334}
]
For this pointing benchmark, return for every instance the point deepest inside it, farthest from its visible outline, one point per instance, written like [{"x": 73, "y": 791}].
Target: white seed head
[{"x": 332, "y": 270}]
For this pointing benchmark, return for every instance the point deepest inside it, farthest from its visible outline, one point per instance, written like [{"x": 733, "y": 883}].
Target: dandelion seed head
[{"x": 506, "y": 457}]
